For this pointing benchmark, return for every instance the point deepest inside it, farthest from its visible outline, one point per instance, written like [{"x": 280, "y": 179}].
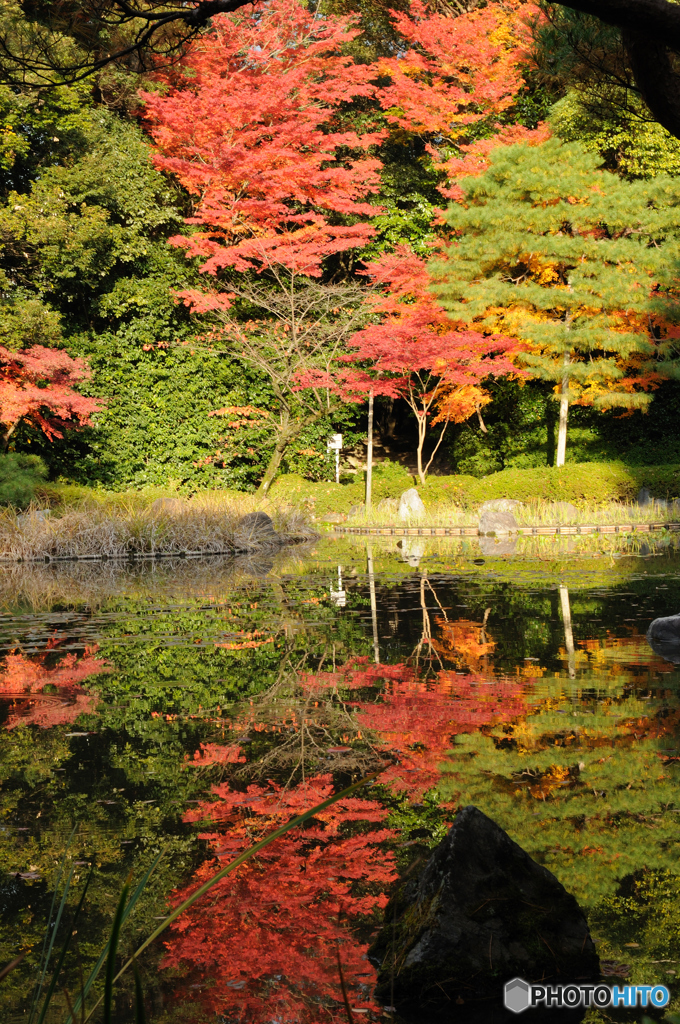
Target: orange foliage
[{"x": 464, "y": 642}]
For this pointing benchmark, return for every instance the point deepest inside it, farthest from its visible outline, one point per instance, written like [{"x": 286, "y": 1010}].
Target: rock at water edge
[
  {"x": 253, "y": 531},
  {"x": 563, "y": 509},
  {"x": 497, "y": 523},
  {"x": 411, "y": 504},
  {"x": 499, "y": 505},
  {"x": 663, "y": 636},
  {"x": 480, "y": 913}
]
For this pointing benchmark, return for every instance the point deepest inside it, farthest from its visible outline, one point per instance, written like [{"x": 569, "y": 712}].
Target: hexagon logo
[{"x": 517, "y": 995}]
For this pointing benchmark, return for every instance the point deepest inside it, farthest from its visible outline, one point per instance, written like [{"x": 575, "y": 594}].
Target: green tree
[
  {"x": 627, "y": 140},
  {"x": 551, "y": 249}
]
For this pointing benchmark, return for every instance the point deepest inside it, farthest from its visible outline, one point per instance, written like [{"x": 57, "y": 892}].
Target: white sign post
[{"x": 334, "y": 445}]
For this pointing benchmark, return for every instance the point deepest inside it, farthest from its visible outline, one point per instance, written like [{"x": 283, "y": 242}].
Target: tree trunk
[
  {"x": 422, "y": 431},
  {"x": 568, "y": 631},
  {"x": 564, "y": 413},
  {"x": 374, "y": 606},
  {"x": 369, "y": 454},
  {"x": 273, "y": 466},
  {"x": 286, "y": 435}
]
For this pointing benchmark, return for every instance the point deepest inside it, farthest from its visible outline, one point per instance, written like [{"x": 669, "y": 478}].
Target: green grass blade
[
  {"x": 232, "y": 865},
  {"x": 64, "y": 950},
  {"x": 94, "y": 973},
  {"x": 50, "y": 947},
  {"x": 140, "y": 1016},
  {"x": 113, "y": 949},
  {"x": 45, "y": 958}
]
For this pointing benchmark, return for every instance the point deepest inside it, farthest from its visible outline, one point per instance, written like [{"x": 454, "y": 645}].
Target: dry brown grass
[{"x": 206, "y": 524}]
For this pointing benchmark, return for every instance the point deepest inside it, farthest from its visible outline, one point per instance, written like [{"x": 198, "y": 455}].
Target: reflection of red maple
[
  {"x": 24, "y": 683},
  {"x": 465, "y": 643},
  {"x": 416, "y": 719},
  {"x": 265, "y": 939}
]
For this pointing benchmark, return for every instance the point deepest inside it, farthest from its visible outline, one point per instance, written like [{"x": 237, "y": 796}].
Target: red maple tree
[
  {"x": 251, "y": 131},
  {"x": 457, "y": 79},
  {"x": 37, "y": 384},
  {"x": 420, "y": 354}
]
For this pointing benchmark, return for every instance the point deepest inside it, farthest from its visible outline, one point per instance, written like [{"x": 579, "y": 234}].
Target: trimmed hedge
[
  {"x": 586, "y": 481},
  {"x": 578, "y": 482}
]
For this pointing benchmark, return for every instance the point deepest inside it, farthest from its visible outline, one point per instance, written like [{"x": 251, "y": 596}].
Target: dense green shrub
[
  {"x": 20, "y": 475},
  {"x": 589, "y": 481},
  {"x": 580, "y": 482}
]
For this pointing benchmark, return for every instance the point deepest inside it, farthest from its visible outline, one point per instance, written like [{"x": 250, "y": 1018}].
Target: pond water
[{"x": 192, "y": 706}]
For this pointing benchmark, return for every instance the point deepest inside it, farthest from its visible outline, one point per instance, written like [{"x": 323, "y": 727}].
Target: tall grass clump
[{"x": 208, "y": 523}]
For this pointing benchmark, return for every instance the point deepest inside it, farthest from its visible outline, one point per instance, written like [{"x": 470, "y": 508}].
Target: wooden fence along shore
[{"x": 522, "y": 531}]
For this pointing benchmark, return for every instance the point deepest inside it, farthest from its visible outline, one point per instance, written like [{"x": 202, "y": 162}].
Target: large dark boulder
[
  {"x": 663, "y": 636},
  {"x": 254, "y": 532},
  {"x": 481, "y": 913}
]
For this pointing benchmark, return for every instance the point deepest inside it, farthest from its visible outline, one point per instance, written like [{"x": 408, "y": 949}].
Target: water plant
[{"x": 77, "y": 1011}]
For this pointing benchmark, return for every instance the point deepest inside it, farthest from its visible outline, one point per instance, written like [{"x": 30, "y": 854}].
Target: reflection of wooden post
[
  {"x": 369, "y": 453},
  {"x": 568, "y": 632},
  {"x": 374, "y": 607}
]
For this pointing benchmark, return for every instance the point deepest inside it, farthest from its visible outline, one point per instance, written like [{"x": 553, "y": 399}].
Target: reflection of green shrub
[{"x": 19, "y": 476}]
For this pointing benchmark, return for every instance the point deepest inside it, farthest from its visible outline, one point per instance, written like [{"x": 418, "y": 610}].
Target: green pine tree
[{"x": 574, "y": 261}]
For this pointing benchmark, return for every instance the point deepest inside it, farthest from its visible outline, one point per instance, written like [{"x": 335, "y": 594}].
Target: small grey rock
[
  {"x": 34, "y": 518},
  {"x": 499, "y": 505},
  {"x": 333, "y": 517},
  {"x": 167, "y": 505},
  {"x": 497, "y": 523},
  {"x": 481, "y": 911},
  {"x": 644, "y": 497},
  {"x": 387, "y": 505},
  {"x": 411, "y": 504},
  {"x": 356, "y": 510}
]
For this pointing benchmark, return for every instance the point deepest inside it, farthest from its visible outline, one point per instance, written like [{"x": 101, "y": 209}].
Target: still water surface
[{"x": 193, "y": 706}]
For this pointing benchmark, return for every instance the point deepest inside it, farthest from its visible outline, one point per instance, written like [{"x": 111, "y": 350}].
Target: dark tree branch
[
  {"x": 650, "y": 31},
  {"x": 658, "y": 82},
  {"x": 153, "y": 32},
  {"x": 656, "y": 18}
]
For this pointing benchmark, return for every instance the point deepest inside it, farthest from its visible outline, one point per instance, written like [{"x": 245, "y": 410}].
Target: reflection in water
[
  {"x": 195, "y": 706},
  {"x": 568, "y": 631}
]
